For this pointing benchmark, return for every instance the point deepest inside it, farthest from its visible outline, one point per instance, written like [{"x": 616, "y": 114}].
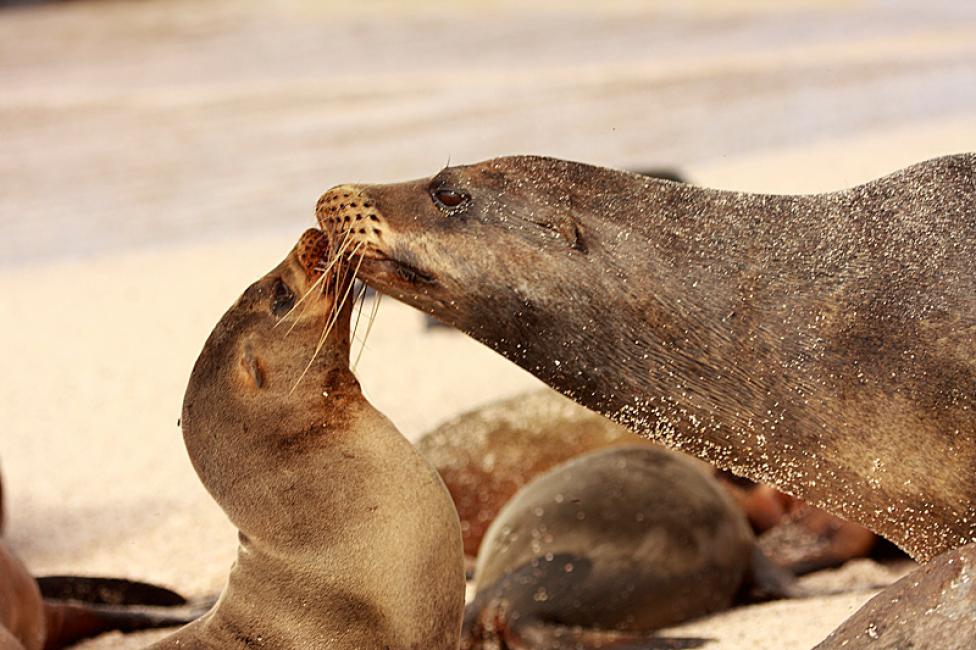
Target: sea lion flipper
[
  {"x": 533, "y": 635},
  {"x": 69, "y": 622},
  {"x": 767, "y": 581},
  {"x": 107, "y": 591}
]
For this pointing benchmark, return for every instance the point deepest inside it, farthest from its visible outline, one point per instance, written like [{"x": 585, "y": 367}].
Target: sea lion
[
  {"x": 808, "y": 539},
  {"x": 824, "y": 344},
  {"x": 628, "y": 540},
  {"x": 934, "y": 606},
  {"x": 21, "y": 607},
  {"x": 348, "y": 538}
]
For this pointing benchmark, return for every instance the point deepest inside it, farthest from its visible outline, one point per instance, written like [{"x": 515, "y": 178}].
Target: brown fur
[
  {"x": 347, "y": 537},
  {"x": 486, "y": 455},
  {"x": 823, "y": 344}
]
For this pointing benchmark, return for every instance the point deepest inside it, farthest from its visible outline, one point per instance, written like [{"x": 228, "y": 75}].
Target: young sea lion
[
  {"x": 824, "y": 344},
  {"x": 627, "y": 540},
  {"x": 348, "y": 538},
  {"x": 934, "y": 606}
]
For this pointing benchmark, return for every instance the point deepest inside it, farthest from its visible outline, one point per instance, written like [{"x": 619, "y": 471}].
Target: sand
[{"x": 157, "y": 157}]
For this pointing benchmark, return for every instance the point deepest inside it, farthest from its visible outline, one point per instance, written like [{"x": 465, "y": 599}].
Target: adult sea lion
[
  {"x": 823, "y": 344},
  {"x": 348, "y": 538},
  {"x": 623, "y": 540},
  {"x": 934, "y": 606}
]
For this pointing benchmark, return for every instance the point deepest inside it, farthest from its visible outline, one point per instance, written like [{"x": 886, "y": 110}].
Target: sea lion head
[
  {"x": 493, "y": 248},
  {"x": 270, "y": 386}
]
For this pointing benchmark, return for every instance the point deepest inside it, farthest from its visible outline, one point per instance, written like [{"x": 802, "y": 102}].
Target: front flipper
[
  {"x": 78, "y": 608},
  {"x": 107, "y": 591},
  {"x": 767, "y": 581},
  {"x": 548, "y": 636},
  {"x": 69, "y": 622}
]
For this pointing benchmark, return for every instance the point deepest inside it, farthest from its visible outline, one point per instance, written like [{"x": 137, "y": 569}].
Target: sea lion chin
[
  {"x": 823, "y": 344},
  {"x": 348, "y": 539}
]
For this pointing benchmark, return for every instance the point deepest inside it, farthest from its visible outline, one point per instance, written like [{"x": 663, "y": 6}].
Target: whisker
[
  {"x": 323, "y": 273},
  {"x": 321, "y": 279},
  {"x": 340, "y": 304},
  {"x": 369, "y": 326},
  {"x": 361, "y": 299},
  {"x": 334, "y": 316},
  {"x": 301, "y": 300}
]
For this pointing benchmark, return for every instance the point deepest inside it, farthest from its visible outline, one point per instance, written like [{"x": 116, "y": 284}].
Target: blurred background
[{"x": 156, "y": 156}]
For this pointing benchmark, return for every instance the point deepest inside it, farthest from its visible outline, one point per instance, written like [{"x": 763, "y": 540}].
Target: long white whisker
[
  {"x": 335, "y": 316},
  {"x": 369, "y": 327},
  {"x": 323, "y": 273}
]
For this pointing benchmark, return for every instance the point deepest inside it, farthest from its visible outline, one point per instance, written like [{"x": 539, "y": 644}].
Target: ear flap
[
  {"x": 549, "y": 636},
  {"x": 251, "y": 367}
]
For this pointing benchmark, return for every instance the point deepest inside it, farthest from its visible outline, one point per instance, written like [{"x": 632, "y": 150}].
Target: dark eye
[
  {"x": 449, "y": 199},
  {"x": 282, "y": 298}
]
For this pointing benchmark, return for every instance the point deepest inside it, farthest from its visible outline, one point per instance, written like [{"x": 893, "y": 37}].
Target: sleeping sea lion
[
  {"x": 824, "y": 344},
  {"x": 348, "y": 538},
  {"x": 623, "y": 540}
]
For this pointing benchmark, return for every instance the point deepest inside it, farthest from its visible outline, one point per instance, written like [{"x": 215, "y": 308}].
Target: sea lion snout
[
  {"x": 311, "y": 251},
  {"x": 346, "y": 211},
  {"x": 355, "y": 223}
]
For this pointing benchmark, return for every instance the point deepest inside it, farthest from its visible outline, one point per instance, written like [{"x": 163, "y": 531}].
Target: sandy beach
[{"x": 157, "y": 157}]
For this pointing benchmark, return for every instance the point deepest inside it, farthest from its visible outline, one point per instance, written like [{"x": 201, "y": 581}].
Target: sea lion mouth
[
  {"x": 313, "y": 252},
  {"x": 379, "y": 265}
]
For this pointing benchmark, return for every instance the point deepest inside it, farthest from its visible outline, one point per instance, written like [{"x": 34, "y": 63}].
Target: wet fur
[{"x": 823, "y": 344}]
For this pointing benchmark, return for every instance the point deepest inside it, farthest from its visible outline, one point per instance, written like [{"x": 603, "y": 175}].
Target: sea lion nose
[
  {"x": 347, "y": 212},
  {"x": 345, "y": 208}
]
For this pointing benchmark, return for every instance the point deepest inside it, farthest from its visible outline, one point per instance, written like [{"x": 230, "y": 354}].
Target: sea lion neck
[
  {"x": 823, "y": 344},
  {"x": 269, "y": 394}
]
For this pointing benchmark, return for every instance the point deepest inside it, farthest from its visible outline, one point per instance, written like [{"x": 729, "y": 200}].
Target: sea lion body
[
  {"x": 824, "y": 344},
  {"x": 628, "y": 539},
  {"x": 348, "y": 539}
]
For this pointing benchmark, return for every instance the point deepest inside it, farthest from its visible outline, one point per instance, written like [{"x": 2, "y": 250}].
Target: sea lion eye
[
  {"x": 282, "y": 298},
  {"x": 448, "y": 198}
]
